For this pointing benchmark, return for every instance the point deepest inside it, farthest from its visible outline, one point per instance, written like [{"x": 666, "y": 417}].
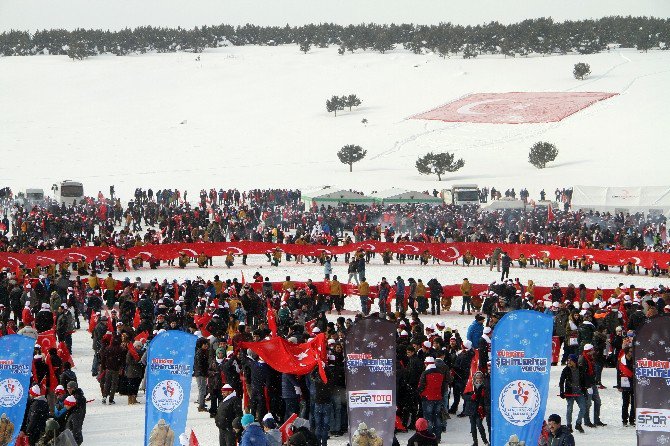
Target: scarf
[{"x": 589, "y": 364}]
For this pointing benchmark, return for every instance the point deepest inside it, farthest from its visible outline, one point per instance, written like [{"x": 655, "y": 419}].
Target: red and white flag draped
[
  {"x": 443, "y": 251},
  {"x": 297, "y": 359}
]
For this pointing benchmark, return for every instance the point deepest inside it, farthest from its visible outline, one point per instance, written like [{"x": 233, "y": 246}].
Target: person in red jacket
[
  {"x": 625, "y": 385},
  {"x": 432, "y": 386}
]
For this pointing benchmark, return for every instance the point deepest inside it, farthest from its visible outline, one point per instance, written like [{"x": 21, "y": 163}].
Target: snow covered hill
[{"x": 255, "y": 116}]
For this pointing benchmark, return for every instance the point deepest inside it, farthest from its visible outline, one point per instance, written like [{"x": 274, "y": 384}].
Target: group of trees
[
  {"x": 438, "y": 164},
  {"x": 541, "y": 36},
  {"x": 336, "y": 103}
]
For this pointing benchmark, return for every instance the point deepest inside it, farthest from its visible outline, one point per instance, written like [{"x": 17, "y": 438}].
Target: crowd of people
[
  {"x": 433, "y": 360},
  {"x": 280, "y": 216}
]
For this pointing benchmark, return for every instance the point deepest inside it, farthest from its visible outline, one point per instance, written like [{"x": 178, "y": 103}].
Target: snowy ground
[
  {"x": 253, "y": 116},
  {"x": 122, "y": 424}
]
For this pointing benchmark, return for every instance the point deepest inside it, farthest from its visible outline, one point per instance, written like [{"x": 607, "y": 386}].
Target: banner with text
[{"x": 520, "y": 368}]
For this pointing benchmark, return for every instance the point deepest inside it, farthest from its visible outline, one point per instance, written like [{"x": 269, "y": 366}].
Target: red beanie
[{"x": 421, "y": 424}]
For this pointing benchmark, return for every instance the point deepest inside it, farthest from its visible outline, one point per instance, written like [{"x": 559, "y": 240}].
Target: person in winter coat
[
  {"x": 435, "y": 295},
  {"x": 112, "y": 359},
  {"x": 476, "y": 330},
  {"x": 400, "y": 294},
  {"x": 229, "y": 409},
  {"x": 37, "y": 413},
  {"x": 134, "y": 371},
  {"x": 573, "y": 389},
  {"x": 201, "y": 370},
  {"x": 76, "y": 415},
  {"x": 272, "y": 434},
  {"x": 322, "y": 403},
  {"x": 423, "y": 436},
  {"x": 290, "y": 393},
  {"x": 477, "y": 406},
  {"x": 6, "y": 430},
  {"x": 432, "y": 386},
  {"x": 466, "y": 292},
  {"x": 421, "y": 300},
  {"x": 559, "y": 435},
  {"x": 587, "y": 367},
  {"x": 337, "y": 295},
  {"x": 625, "y": 384},
  {"x": 253, "y": 434},
  {"x": 44, "y": 320},
  {"x": 364, "y": 293},
  {"x": 161, "y": 435}
]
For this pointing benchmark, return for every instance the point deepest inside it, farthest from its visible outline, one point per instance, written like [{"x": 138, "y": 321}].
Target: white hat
[
  {"x": 46, "y": 306},
  {"x": 487, "y": 330},
  {"x": 404, "y": 333},
  {"x": 316, "y": 330},
  {"x": 331, "y": 341},
  {"x": 227, "y": 387},
  {"x": 555, "y": 305},
  {"x": 268, "y": 416},
  {"x": 588, "y": 347},
  {"x": 429, "y": 360},
  {"x": 35, "y": 391},
  {"x": 467, "y": 344},
  {"x": 426, "y": 344}
]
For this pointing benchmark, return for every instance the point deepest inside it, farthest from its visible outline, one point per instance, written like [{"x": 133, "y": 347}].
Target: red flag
[
  {"x": 142, "y": 337},
  {"x": 201, "y": 323},
  {"x": 309, "y": 325},
  {"x": 53, "y": 382},
  {"x": 47, "y": 340},
  {"x": 297, "y": 359},
  {"x": 193, "y": 440},
  {"x": 245, "y": 393},
  {"x": 284, "y": 429},
  {"x": 624, "y": 314},
  {"x": 469, "y": 387},
  {"x": 136, "y": 318},
  {"x": 243, "y": 281},
  {"x": 92, "y": 322},
  {"x": 64, "y": 353},
  {"x": 272, "y": 319},
  {"x": 550, "y": 213},
  {"x": 133, "y": 352},
  {"x": 110, "y": 327}
]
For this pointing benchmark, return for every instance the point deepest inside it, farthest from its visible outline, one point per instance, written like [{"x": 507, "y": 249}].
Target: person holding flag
[
  {"x": 477, "y": 406},
  {"x": 625, "y": 384}
]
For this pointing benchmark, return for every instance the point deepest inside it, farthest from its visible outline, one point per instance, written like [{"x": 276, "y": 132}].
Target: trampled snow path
[{"x": 122, "y": 424}]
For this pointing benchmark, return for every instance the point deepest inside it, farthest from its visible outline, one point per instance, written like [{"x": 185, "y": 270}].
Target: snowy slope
[
  {"x": 119, "y": 14},
  {"x": 122, "y": 424},
  {"x": 255, "y": 117}
]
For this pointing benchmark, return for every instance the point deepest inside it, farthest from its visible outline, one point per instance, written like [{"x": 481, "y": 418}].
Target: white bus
[{"x": 68, "y": 192}]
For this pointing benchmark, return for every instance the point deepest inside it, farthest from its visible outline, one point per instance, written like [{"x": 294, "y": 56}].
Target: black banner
[
  {"x": 371, "y": 392},
  {"x": 652, "y": 383}
]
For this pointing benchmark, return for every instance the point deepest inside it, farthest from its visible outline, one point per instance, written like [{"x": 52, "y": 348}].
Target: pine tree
[
  {"x": 351, "y": 154},
  {"x": 438, "y": 164},
  {"x": 351, "y": 101},
  {"x": 305, "y": 46},
  {"x": 541, "y": 153},
  {"x": 334, "y": 104},
  {"x": 78, "y": 49},
  {"x": 581, "y": 70},
  {"x": 383, "y": 41}
]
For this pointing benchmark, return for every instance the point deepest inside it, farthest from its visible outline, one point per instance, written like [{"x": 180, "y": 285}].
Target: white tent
[
  {"x": 648, "y": 200},
  {"x": 333, "y": 197},
  {"x": 504, "y": 203},
  {"x": 403, "y": 196}
]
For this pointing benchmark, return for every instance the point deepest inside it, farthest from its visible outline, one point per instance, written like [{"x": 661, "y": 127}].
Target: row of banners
[
  {"x": 520, "y": 372},
  {"x": 442, "y": 251}
]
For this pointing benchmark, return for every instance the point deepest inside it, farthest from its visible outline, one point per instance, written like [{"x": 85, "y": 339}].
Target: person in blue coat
[
  {"x": 253, "y": 434},
  {"x": 476, "y": 330},
  {"x": 399, "y": 294}
]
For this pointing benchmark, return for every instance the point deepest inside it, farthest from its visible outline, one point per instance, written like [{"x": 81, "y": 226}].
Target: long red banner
[{"x": 442, "y": 251}]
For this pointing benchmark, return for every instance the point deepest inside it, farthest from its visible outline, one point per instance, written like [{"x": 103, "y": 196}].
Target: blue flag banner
[
  {"x": 520, "y": 367},
  {"x": 16, "y": 357},
  {"x": 169, "y": 369}
]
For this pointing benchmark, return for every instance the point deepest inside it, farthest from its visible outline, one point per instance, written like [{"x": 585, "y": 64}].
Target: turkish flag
[
  {"x": 64, "y": 353},
  {"x": 47, "y": 340},
  {"x": 622, "y": 311},
  {"x": 193, "y": 440},
  {"x": 272, "y": 319},
  {"x": 309, "y": 325},
  {"x": 550, "y": 214},
  {"x": 469, "y": 387},
  {"x": 297, "y": 359},
  {"x": 92, "y": 322},
  {"x": 136, "y": 318},
  {"x": 201, "y": 322},
  {"x": 142, "y": 337},
  {"x": 284, "y": 429}
]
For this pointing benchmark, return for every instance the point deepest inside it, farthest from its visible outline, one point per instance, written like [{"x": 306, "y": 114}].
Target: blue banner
[
  {"x": 16, "y": 357},
  {"x": 520, "y": 368},
  {"x": 169, "y": 369}
]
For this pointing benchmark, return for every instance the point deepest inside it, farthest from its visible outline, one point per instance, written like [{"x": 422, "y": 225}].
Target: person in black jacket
[
  {"x": 461, "y": 372},
  {"x": 422, "y": 436},
  {"x": 572, "y": 386},
  {"x": 435, "y": 295},
  {"x": 506, "y": 262},
  {"x": 74, "y": 419},
  {"x": 201, "y": 370},
  {"x": 477, "y": 406},
  {"x": 229, "y": 409},
  {"x": 37, "y": 414}
]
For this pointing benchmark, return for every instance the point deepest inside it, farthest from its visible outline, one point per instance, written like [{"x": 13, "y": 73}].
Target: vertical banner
[
  {"x": 169, "y": 369},
  {"x": 371, "y": 381},
  {"x": 520, "y": 367},
  {"x": 652, "y": 382},
  {"x": 16, "y": 357}
]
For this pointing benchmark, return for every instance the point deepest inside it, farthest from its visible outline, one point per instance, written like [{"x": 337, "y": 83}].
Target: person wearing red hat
[
  {"x": 37, "y": 414},
  {"x": 423, "y": 436},
  {"x": 432, "y": 386}
]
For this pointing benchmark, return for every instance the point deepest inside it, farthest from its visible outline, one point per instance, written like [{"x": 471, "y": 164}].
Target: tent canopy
[
  {"x": 333, "y": 197},
  {"x": 651, "y": 199},
  {"x": 403, "y": 196}
]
